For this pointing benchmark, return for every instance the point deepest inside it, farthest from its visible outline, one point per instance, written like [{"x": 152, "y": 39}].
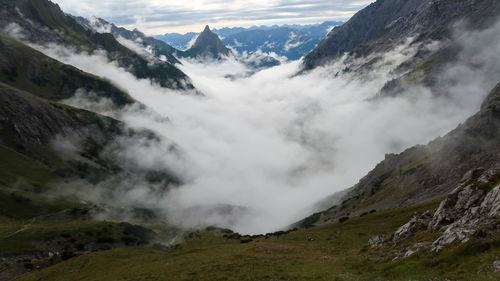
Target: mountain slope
[
  {"x": 332, "y": 252},
  {"x": 43, "y": 22},
  {"x": 159, "y": 48},
  {"x": 30, "y": 70},
  {"x": 426, "y": 173},
  {"x": 207, "y": 45},
  {"x": 177, "y": 40},
  {"x": 387, "y": 23}
]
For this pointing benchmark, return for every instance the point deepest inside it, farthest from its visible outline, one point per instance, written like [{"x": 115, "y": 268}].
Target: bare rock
[
  {"x": 417, "y": 223},
  {"x": 477, "y": 212},
  {"x": 465, "y": 212},
  {"x": 376, "y": 241},
  {"x": 491, "y": 203},
  {"x": 409, "y": 253},
  {"x": 496, "y": 266}
]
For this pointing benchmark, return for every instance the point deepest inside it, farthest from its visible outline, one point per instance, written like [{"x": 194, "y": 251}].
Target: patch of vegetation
[
  {"x": 32, "y": 71},
  {"x": 330, "y": 252}
]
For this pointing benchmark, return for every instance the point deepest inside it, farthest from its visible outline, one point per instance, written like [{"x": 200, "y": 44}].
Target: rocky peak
[{"x": 208, "y": 45}]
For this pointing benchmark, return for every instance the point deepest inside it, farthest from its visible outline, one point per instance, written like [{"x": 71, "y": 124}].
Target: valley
[{"x": 371, "y": 154}]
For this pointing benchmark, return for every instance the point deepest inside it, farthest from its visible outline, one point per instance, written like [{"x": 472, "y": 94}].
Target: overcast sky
[{"x": 162, "y": 16}]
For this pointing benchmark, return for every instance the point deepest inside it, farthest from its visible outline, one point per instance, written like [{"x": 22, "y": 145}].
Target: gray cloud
[{"x": 153, "y": 16}]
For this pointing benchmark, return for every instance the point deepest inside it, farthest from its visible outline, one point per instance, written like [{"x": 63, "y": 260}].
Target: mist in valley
[{"x": 256, "y": 153}]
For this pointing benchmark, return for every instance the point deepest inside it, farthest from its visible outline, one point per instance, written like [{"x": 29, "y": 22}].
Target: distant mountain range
[{"x": 290, "y": 41}]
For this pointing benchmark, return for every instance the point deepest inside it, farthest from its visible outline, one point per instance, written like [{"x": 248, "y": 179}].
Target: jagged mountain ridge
[
  {"x": 44, "y": 22},
  {"x": 387, "y": 23},
  {"x": 290, "y": 41},
  {"x": 160, "y": 48}
]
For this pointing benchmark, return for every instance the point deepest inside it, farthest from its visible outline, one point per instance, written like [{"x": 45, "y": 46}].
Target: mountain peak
[{"x": 208, "y": 44}]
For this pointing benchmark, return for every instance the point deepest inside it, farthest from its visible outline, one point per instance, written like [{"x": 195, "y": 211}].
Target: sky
[{"x": 155, "y": 17}]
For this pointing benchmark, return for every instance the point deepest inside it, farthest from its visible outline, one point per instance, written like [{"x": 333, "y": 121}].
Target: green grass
[
  {"x": 331, "y": 252},
  {"x": 32, "y": 71},
  {"x": 18, "y": 170}
]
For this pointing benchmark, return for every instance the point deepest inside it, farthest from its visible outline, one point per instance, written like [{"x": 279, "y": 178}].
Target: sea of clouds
[{"x": 256, "y": 153}]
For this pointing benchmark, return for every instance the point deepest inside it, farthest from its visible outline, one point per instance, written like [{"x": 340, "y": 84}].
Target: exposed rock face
[
  {"x": 468, "y": 210},
  {"x": 385, "y": 23},
  {"x": 472, "y": 209},
  {"x": 496, "y": 266},
  {"x": 207, "y": 45},
  {"x": 376, "y": 241},
  {"x": 417, "y": 223}
]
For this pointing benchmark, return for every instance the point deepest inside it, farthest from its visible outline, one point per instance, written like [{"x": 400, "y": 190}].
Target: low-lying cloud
[{"x": 257, "y": 152}]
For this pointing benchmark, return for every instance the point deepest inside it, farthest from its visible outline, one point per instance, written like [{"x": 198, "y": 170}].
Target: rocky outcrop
[
  {"x": 416, "y": 224},
  {"x": 471, "y": 210},
  {"x": 377, "y": 241}
]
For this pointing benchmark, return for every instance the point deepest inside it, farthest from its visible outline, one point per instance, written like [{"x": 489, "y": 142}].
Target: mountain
[
  {"x": 159, "y": 49},
  {"x": 386, "y": 23},
  {"x": 284, "y": 41},
  {"x": 431, "y": 212},
  {"x": 207, "y": 45},
  {"x": 320, "y": 30},
  {"x": 49, "y": 152},
  {"x": 426, "y": 173},
  {"x": 291, "y": 41},
  {"x": 30, "y": 70},
  {"x": 177, "y": 40},
  {"x": 43, "y": 22}
]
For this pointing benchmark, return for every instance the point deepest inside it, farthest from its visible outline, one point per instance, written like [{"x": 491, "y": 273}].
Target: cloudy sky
[{"x": 162, "y": 16}]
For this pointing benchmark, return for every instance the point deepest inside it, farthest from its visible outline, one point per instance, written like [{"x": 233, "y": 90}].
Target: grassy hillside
[
  {"x": 335, "y": 252},
  {"x": 32, "y": 71},
  {"x": 44, "y": 22}
]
